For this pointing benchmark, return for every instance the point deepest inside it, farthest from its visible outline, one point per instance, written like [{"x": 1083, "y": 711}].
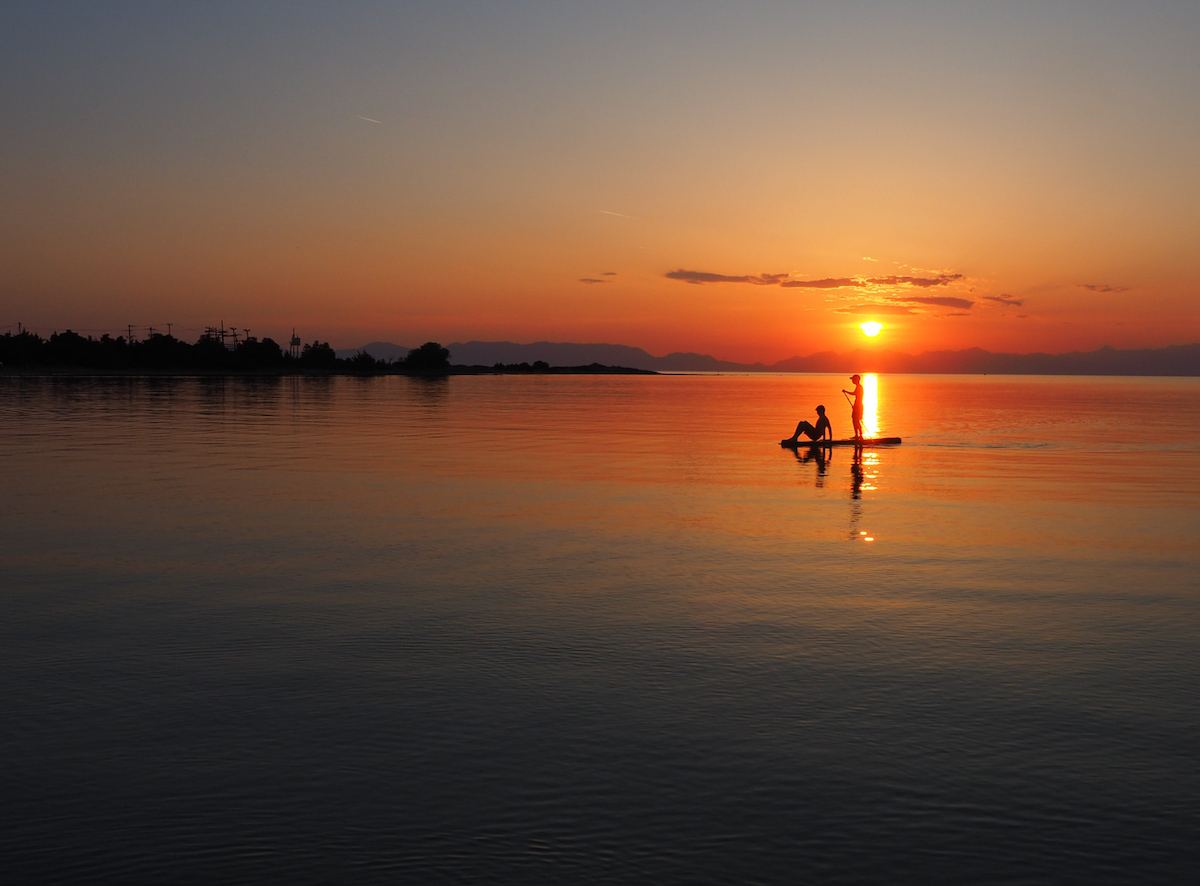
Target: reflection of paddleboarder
[
  {"x": 856, "y": 475},
  {"x": 856, "y": 408},
  {"x": 815, "y": 453}
]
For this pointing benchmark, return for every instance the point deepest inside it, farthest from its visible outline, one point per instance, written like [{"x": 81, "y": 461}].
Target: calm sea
[{"x": 599, "y": 629}]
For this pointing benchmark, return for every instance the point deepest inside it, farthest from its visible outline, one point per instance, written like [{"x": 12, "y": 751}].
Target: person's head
[
  {"x": 855, "y": 379},
  {"x": 820, "y": 410}
]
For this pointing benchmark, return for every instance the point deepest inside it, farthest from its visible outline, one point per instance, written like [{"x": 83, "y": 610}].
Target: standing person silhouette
[{"x": 856, "y": 408}]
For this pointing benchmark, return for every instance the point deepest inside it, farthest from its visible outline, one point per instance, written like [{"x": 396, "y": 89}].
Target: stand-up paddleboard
[{"x": 869, "y": 441}]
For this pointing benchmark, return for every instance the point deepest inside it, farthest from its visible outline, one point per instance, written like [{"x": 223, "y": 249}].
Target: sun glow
[{"x": 871, "y": 328}]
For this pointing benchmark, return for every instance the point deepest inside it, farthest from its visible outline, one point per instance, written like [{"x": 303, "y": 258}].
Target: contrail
[
  {"x": 618, "y": 214},
  {"x": 368, "y": 119}
]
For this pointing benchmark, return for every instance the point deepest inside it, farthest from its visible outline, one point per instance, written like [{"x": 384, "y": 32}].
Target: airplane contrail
[
  {"x": 368, "y": 119},
  {"x": 619, "y": 214}
]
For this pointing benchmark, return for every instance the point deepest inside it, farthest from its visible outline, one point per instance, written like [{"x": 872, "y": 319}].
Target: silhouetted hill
[
  {"x": 380, "y": 350},
  {"x": 1172, "y": 360},
  {"x": 488, "y": 353}
]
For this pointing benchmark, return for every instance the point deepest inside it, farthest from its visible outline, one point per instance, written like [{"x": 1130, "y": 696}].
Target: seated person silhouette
[{"x": 813, "y": 432}]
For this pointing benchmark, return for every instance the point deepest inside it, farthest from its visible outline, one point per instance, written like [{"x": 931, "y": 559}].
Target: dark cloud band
[
  {"x": 943, "y": 301},
  {"x": 706, "y": 277},
  {"x": 826, "y": 283},
  {"x": 823, "y": 283},
  {"x": 874, "y": 309},
  {"x": 923, "y": 282}
]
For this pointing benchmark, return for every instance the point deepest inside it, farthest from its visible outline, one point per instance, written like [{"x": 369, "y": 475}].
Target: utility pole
[{"x": 168, "y": 330}]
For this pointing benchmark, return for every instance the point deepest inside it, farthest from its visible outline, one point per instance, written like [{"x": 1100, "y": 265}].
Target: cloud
[
  {"x": 1103, "y": 287},
  {"x": 368, "y": 119},
  {"x": 868, "y": 258},
  {"x": 959, "y": 314},
  {"x": 924, "y": 282},
  {"x": 608, "y": 274},
  {"x": 617, "y": 214},
  {"x": 874, "y": 309},
  {"x": 1006, "y": 300},
  {"x": 591, "y": 280},
  {"x": 825, "y": 283},
  {"x": 822, "y": 283},
  {"x": 705, "y": 277},
  {"x": 944, "y": 301}
]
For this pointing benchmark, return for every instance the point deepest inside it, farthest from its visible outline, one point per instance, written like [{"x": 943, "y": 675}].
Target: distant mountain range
[{"x": 1172, "y": 360}]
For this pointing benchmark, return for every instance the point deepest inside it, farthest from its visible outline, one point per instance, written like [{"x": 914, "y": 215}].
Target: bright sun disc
[{"x": 870, "y": 328}]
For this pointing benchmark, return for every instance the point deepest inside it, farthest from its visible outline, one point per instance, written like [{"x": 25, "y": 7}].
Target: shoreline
[{"x": 144, "y": 372}]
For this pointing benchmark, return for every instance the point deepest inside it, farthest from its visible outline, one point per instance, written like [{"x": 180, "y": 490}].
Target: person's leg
[{"x": 804, "y": 428}]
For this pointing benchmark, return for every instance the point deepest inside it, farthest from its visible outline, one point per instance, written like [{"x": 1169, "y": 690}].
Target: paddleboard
[{"x": 870, "y": 441}]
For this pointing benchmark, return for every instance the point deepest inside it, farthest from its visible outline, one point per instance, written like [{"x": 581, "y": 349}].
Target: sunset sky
[{"x": 749, "y": 180}]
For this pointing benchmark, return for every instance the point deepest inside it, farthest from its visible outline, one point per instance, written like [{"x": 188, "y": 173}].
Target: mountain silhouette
[{"x": 1171, "y": 360}]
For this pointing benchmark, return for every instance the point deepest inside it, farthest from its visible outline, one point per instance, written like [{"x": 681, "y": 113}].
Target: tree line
[{"x": 160, "y": 352}]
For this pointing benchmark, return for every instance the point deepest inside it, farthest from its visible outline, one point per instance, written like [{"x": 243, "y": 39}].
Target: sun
[{"x": 871, "y": 328}]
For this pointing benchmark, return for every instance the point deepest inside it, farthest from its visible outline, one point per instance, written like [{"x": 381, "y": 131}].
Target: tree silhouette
[
  {"x": 431, "y": 357},
  {"x": 319, "y": 355},
  {"x": 364, "y": 362}
]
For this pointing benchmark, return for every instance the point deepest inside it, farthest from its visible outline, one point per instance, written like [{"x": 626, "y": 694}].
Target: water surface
[{"x": 599, "y": 629}]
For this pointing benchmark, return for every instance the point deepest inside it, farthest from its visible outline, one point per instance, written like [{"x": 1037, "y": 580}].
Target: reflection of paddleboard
[{"x": 869, "y": 441}]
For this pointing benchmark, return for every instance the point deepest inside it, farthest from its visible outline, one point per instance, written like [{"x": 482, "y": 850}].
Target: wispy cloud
[
  {"x": 368, "y": 119},
  {"x": 825, "y": 283},
  {"x": 943, "y": 301},
  {"x": 1103, "y": 287},
  {"x": 890, "y": 289},
  {"x": 591, "y": 280},
  {"x": 874, "y": 309},
  {"x": 822, "y": 283},
  {"x": 705, "y": 277},
  {"x": 1007, "y": 300},
  {"x": 868, "y": 258},
  {"x": 617, "y": 214},
  {"x": 608, "y": 273},
  {"x": 923, "y": 282}
]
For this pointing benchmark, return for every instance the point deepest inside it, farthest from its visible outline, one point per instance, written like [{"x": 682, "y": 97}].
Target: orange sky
[{"x": 1011, "y": 177}]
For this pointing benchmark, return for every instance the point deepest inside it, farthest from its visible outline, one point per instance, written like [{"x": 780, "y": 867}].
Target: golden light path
[{"x": 870, "y": 383}]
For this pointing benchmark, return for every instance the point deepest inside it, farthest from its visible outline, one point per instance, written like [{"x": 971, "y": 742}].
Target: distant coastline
[
  {"x": 67, "y": 353},
  {"x": 70, "y": 354},
  {"x": 1174, "y": 360}
]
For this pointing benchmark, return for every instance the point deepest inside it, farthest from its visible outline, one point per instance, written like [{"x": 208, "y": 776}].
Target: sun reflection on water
[{"x": 870, "y": 383}]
